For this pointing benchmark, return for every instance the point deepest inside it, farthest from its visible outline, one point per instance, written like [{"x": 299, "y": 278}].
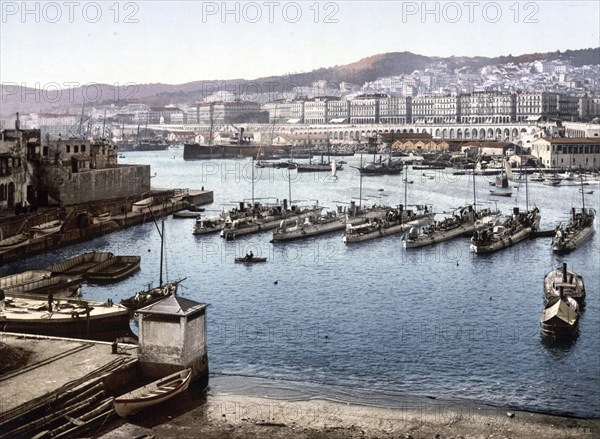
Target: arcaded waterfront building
[
  {"x": 532, "y": 106},
  {"x": 364, "y": 109},
  {"x": 315, "y": 111},
  {"x": 435, "y": 109},
  {"x": 337, "y": 110},
  {"x": 566, "y": 153},
  {"x": 395, "y": 110},
  {"x": 487, "y": 107},
  {"x": 224, "y": 113}
]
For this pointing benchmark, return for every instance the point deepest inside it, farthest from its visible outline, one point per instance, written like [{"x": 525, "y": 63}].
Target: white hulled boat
[
  {"x": 577, "y": 231},
  {"x": 465, "y": 223},
  {"x": 396, "y": 221},
  {"x": 312, "y": 225},
  {"x": 514, "y": 229}
]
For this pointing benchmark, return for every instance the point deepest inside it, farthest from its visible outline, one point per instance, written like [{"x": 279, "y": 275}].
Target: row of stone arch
[{"x": 461, "y": 133}]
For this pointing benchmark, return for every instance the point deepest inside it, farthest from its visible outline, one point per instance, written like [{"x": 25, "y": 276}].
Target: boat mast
[
  {"x": 212, "y": 125},
  {"x": 474, "y": 193},
  {"x": 524, "y": 171},
  {"x": 161, "y": 233},
  {"x": 526, "y": 185},
  {"x": 405, "y": 187},
  {"x": 290, "y": 185},
  {"x": 582, "y": 193},
  {"x": 162, "y": 246},
  {"x": 81, "y": 120},
  {"x": 252, "y": 182},
  {"x": 360, "y": 185}
]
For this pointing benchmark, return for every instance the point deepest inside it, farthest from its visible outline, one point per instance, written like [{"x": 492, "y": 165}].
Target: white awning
[
  {"x": 532, "y": 118},
  {"x": 293, "y": 121},
  {"x": 340, "y": 120}
]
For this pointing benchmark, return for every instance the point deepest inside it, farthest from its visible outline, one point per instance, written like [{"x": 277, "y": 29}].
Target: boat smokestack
[
  {"x": 17, "y": 123},
  {"x": 564, "y": 272},
  {"x": 285, "y": 205},
  {"x": 515, "y": 213}
]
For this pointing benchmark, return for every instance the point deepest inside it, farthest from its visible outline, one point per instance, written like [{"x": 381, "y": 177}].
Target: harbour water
[{"x": 371, "y": 320}]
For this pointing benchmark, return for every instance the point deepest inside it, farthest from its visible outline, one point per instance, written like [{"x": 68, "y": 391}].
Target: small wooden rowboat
[
  {"x": 187, "y": 214},
  {"x": 14, "y": 242},
  {"x": 501, "y": 194},
  {"x": 45, "y": 229},
  {"x": 138, "y": 206},
  {"x": 153, "y": 393},
  {"x": 253, "y": 260}
]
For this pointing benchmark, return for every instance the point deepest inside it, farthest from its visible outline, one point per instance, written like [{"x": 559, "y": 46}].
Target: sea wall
[{"x": 71, "y": 188}]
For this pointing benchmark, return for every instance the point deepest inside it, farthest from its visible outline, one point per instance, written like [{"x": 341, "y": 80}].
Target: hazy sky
[{"x": 176, "y": 42}]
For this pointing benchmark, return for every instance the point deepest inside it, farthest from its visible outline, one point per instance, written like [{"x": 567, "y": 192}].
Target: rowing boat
[
  {"x": 247, "y": 260},
  {"x": 153, "y": 393}
]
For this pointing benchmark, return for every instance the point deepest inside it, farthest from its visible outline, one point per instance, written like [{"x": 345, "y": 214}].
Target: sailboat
[
  {"x": 322, "y": 166},
  {"x": 465, "y": 222},
  {"x": 517, "y": 227},
  {"x": 383, "y": 167},
  {"x": 505, "y": 175},
  {"x": 152, "y": 295},
  {"x": 577, "y": 231}
]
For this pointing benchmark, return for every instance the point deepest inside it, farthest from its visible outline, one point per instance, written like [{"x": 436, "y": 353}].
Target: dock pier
[{"x": 79, "y": 224}]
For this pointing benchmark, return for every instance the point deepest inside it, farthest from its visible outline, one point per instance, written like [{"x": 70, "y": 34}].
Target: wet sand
[{"x": 235, "y": 416}]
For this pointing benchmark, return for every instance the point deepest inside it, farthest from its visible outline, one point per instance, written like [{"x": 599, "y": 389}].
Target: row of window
[
  {"x": 572, "y": 162},
  {"x": 76, "y": 149},
  {"x": 577, "y": 149},
  {"x": 571, "y": 149},
  {"x": 9, "y": 162}
]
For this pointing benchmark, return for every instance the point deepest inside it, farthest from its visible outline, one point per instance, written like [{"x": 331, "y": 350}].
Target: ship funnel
[{"x": 515, "y": 213}]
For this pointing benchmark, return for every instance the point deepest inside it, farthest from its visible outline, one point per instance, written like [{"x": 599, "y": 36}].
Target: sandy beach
[
  {"x": 236, "y": 416},
  {"x": 237, "y": 407}
]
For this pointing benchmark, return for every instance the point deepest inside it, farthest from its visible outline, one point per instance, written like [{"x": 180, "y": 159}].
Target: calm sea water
[{"x": 371, "y": 318}]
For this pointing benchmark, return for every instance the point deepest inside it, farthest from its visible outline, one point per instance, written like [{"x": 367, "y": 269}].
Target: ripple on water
[{"x": 375, "y": 322}]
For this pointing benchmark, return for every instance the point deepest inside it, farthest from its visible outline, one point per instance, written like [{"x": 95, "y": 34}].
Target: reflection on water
[
  {"x": 371, "y": 318},
  {"x": 560, "y": 346}
]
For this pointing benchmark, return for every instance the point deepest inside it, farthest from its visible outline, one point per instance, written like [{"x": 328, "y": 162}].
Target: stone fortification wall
[{"x": 99, "y": 184}]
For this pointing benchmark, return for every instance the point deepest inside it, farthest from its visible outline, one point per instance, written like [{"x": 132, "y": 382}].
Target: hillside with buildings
[{"x": 403, "y": 74}]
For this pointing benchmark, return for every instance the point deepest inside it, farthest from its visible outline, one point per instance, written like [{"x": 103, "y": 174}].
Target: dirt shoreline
[{"x": 236, "y": 416}]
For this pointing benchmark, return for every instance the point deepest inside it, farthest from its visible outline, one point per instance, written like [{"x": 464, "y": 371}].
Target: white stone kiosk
[{"x": 172, "y": 336}]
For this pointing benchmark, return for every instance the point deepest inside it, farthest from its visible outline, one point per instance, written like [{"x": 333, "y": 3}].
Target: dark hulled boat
[{"x": 73, "y": 318}]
